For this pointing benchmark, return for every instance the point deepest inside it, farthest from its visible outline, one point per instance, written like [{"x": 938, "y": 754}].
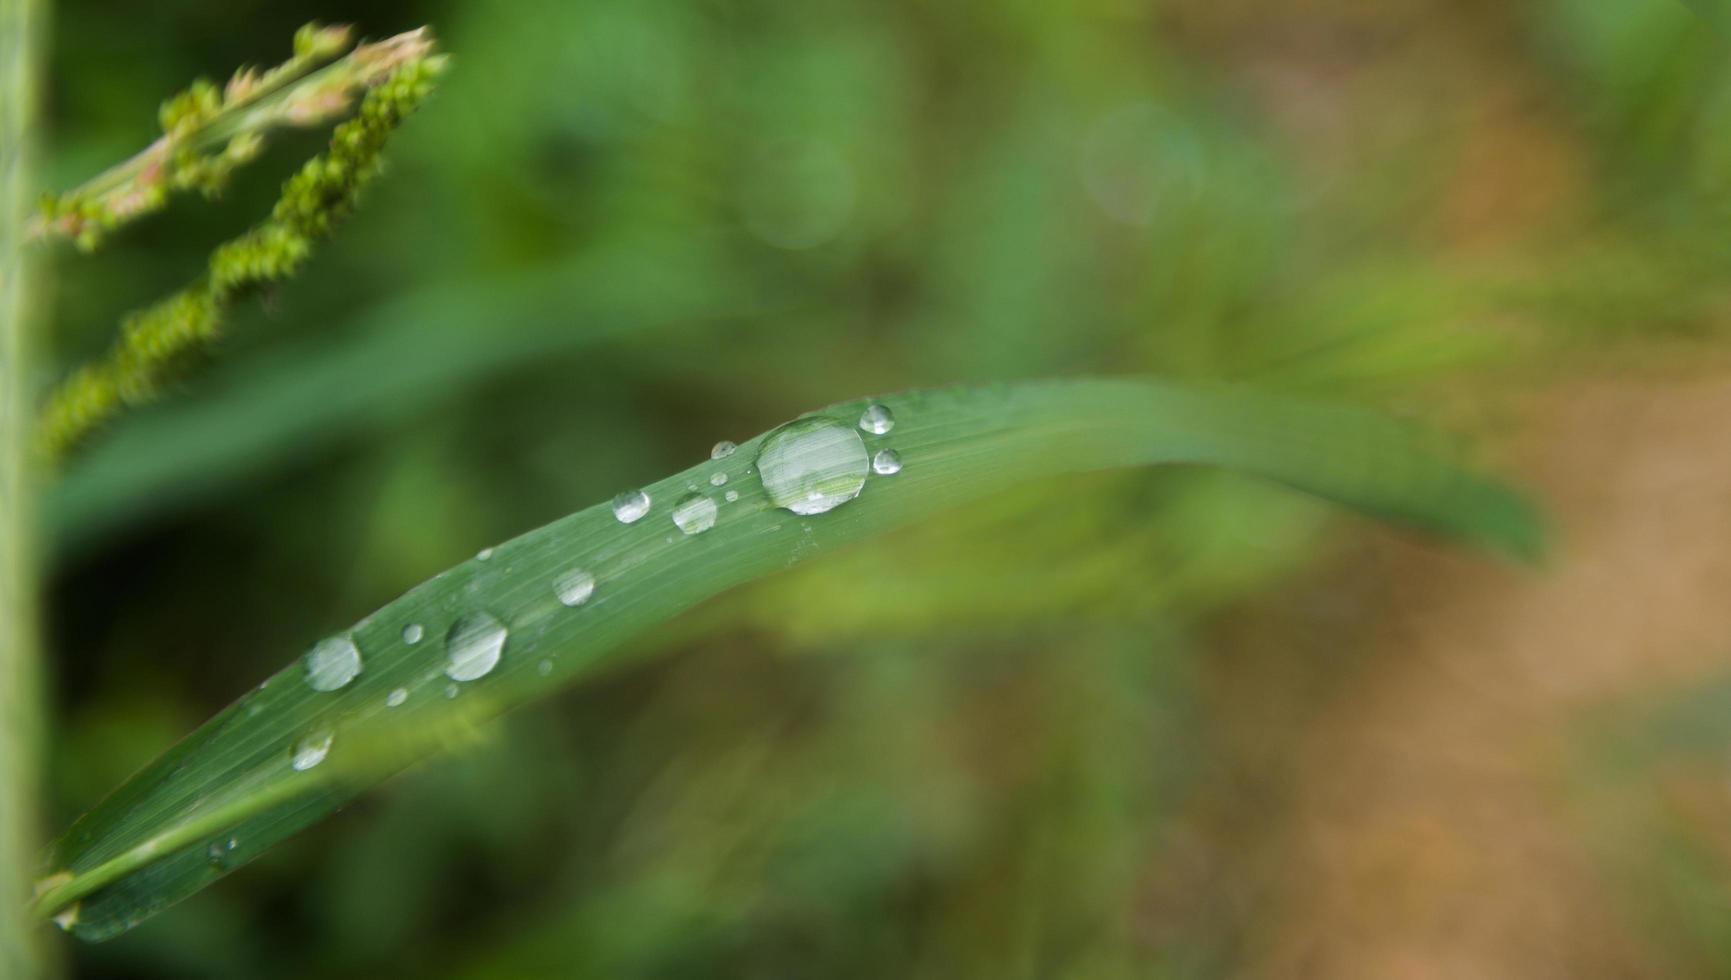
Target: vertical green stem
[{"x": 21, "y": 954}]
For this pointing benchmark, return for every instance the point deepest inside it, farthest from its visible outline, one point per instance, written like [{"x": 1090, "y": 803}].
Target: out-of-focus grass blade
[
  {"x": 389, "y": 364},
  {"x": 229, "y": 791}
]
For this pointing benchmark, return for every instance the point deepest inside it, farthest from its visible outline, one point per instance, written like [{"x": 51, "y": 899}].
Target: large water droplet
[
  {"x": 332, "y": 663},
  {"x": 473, "y": 646},
  {"x": 412, "y": 633},
  {"x": 396, "y": 698},
  {"x": 310, "y": 751},
  {"x": 813, "y": 465},
  {"x": 694, "y": 514},
  {"x": 630, "y": 506},
  {"x": 575, "y": 587},
  {"x": 877, "y": 420},
  {"x": 722, "y": 450},
  {"x": 887, "y": 462}
]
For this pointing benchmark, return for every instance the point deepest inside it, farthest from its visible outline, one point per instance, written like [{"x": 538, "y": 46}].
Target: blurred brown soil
[
  {"x": 1402, "y": 721},
  {"x": 1398, "y": 727}
]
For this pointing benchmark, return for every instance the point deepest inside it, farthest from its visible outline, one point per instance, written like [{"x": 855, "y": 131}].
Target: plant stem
[
  {"x": 21, "y": 954},
  {"x": 298, "y": 93}
]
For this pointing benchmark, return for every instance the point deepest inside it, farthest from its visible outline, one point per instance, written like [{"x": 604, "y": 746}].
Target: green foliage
[
  {"x": 230, "y": 786},
  {"x": 157, "y": 344},
  {"x": 630, "y": 214}
]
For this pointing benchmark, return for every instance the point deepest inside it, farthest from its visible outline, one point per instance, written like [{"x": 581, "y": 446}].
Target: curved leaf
[{"x": 227, "y": 792}]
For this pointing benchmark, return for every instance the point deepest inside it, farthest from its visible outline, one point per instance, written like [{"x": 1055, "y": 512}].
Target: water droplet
[
  {"x": 813, "y": 465},
  {"x": 217, "y": 854},
  {"x": 718, "y": 479},
  {"x": 68, "y": 917},
  {"x": 694, "y": 514},
  {"x": 450, "y": 691},
  {"x": 332, "y": 663},
  {"x": 484, "y": 554},
  {"x": 722, "y": 450},
  {"x": 396, "y": 698},
  {"x": 310, "y": 751},
  {"x": 887, "y": 462},
  {"x": 575, "y": 587},
  {"x": 732, "y": 495},
  {"x": 630, "y": 506},
  {"x": 412, "y": 633},
  {"x": 544, "y": 668},
  {"x": 473, "y": 646},
  {"x": 877, "y": 420}
]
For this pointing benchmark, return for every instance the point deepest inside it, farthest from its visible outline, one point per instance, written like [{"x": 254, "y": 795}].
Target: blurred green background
[{"x": 1144, "y": 725}]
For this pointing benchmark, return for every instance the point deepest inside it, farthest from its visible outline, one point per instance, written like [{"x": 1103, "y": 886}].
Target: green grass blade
[
  {"x": 387, "y": 364},
  {"x": 228, "y": 792}
]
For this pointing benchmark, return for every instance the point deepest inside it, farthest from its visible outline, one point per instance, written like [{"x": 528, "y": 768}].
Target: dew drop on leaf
[
  {"x": 877, "y": 420},
  {"x": 473, "y": 646},
  {"x": 887, "y": 462},
  {"x": 813, "y": 465},
  {"x": 310, "y": 751},
  {"x": 332, "y": 663},
  {"x": 694, "y": 514},
  {"x": 217, "y": 854},
  {"x": 630, "y": 506},
  {"x": 575, "y": 587}
]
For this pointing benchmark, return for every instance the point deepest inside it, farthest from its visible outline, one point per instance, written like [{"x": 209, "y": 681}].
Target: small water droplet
[
  {"x": 484, "y": 554},
  {"x": 718, "y": 479},
  {"x": 877, "y": 420},
  {"x": 887, "y": 462},
  {"x": 723, "y": 449},
  {"x": 310, "y": 751},
  {"x": 217, "y": 854},
  {"x": 473, "y": 646},
  {"x": 450, "y": 691},
  {"x": 68, "y": 917},
  {"x": 630, "y": 506},
  {"x": 575, "y": 587},
  {"x": 694, "y": 514},
  {"x": 813, "y": 465},
  {"x": 412, "y": 633},
  {"x": 396, "y": 698},
  {"x": 544, "y": 668},
  {"x": 732, "y": 496},
  {"x": 332, "y": 663}
]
